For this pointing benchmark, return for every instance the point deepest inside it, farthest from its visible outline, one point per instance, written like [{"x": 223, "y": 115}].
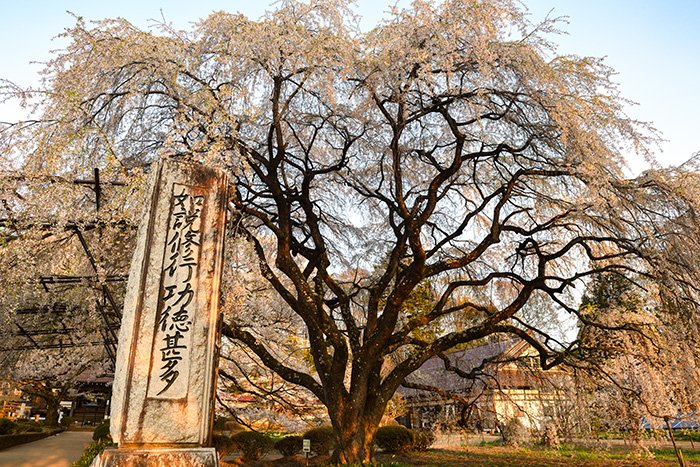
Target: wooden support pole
[
  {"x": 98, "y": 190},
  {"x": 679, "y": 454}
]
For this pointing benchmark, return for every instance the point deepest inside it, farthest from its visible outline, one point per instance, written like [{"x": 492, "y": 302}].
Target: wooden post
[{"x": 679, "y": 454}]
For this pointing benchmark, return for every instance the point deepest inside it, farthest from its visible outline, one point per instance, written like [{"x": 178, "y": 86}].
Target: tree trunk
[
  {"x": 354, "y": 430},
  {"x": 354, "y": 444},
  {"x": 52, "y": 409}
]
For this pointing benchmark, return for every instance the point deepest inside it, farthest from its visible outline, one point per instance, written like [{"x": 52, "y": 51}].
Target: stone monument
[{"x": 165, "y": 378}]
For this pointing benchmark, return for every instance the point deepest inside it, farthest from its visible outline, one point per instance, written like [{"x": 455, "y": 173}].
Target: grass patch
[
  {"x": 568, "y": 456},
  {"x": 687, "y": 435},
  {"x": 276, "y": 435},
  {"x": 374, "y": 464},
  {"x": 670, "y": 454},
  {"x": 571, "y": 451}
]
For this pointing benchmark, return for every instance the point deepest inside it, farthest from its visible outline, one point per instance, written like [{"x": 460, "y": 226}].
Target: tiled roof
[{"x": 433, "y": 372}]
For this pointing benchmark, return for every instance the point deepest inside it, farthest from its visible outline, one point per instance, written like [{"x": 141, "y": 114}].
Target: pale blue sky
[{"x": 653, "y": 44}]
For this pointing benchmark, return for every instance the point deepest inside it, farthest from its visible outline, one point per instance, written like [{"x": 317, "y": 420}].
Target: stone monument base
[{"x": 157, "y": 457}]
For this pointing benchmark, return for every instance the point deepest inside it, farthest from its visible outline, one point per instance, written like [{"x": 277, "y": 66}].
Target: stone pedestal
[
  {"x": 162, "y": 457},
  {"x": 162, "y": 399}
]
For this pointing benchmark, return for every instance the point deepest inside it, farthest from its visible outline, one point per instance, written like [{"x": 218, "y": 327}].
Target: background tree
[
  {"x": 451, "y": 144},
  {"x": 646, "y": 368},
  {"x": 248, "y": 298},
  {"x": 51, "y": 374},
  {"x": 65, "y": 249}
]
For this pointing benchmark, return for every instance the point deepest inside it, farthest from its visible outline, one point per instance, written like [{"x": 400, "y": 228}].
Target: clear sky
[{"x": 653, "y": 44}]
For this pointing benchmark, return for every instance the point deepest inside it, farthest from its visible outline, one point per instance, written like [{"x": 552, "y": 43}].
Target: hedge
[
  {"x": 395, "y": 439},
  {"x": 252, "y": 444},
  {"x": 7, "y": 426},
  {"x": 290, "y": 445},
  {"x": 223, "y": 444},
  {"x": 322, "y": 439},
  {"x": 423, "y": 439},
  {"x": 101, "y": 431},
  {"x": 7, "y": 441}
]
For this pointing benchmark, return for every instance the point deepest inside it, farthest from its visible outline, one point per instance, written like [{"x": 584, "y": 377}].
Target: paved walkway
[{"x": 55, "y": 451}]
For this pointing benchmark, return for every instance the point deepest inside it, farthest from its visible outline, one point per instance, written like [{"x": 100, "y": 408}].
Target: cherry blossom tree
[
  {"x": 50, "y": 339},
  {"x": 248, "y": 298},
  {"x": 62, "y": 272},
  {"x": 450, "y": 145},
  {"x": 51, "y": 374},
  {"x": 639, "y": 359}
]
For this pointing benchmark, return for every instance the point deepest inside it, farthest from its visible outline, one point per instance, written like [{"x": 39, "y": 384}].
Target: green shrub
[
  {"x": 394, "y": 439},
  {"x": 7, "y": 426},
  {"x": 322, "y": 439},
  {"x": 28, "y": 427},
  {"x": 422, "y": 439},
  {"x": 102, "y": 431},
  {"x": 252, "y": 444},
  {"x": 91, "y": 452},
  {"x": 67, "y": 421},
  {"x": 290, "y": 445},
  {"x": 220, "y": 423},
  {"x": 223, "y": 445},
  {"x": 233, "y": 425},
  {"x": 220, "y": 442}
]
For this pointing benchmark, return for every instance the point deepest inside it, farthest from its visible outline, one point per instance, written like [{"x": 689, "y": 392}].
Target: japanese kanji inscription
[{"x": 165, "y": 375}]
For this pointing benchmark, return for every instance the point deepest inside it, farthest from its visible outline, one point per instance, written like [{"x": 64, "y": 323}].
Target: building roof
[{"x": 495, "y": 373}]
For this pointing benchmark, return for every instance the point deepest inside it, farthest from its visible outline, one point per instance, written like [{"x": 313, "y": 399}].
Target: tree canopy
[{"x": 449, "y": 146}]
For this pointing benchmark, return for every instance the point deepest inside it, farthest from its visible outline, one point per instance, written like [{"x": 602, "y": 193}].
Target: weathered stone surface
[
  {"x": 165, "y": 372},
  {"x": 192, "y": 457}
]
